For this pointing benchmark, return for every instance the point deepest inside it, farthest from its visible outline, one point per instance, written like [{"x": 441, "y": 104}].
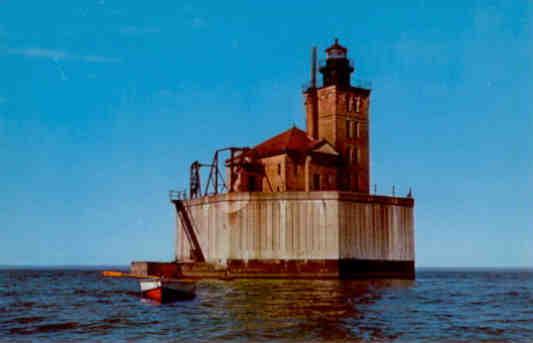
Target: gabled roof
[
  {"x": 325, "y": 148},
  {"x": 293, "y": 140}
]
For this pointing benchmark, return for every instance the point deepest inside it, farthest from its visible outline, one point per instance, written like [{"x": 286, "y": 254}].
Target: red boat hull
[
  {"x": 164, "y": 292},
  {"x": 155, "y": 294}
]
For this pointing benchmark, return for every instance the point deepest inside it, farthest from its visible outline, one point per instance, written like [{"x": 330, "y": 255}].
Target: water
[{"x": 62, "y": 305}]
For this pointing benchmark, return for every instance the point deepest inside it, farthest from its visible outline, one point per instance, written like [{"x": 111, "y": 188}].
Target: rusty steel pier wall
[{"x": 322, "y": 234}]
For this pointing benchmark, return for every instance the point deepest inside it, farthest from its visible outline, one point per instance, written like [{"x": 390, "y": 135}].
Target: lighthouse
[
  {"x": 296, "y": 205},
  {"x": 340, "y": 112}
]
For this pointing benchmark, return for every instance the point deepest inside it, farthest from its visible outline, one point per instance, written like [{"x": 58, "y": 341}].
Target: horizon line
[{"x": 97, "y": 266}]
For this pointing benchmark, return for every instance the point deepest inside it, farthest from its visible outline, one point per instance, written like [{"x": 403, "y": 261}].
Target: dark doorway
[
  {"x": 316, "y": 182},
  {"x": 252, "y": 187}
]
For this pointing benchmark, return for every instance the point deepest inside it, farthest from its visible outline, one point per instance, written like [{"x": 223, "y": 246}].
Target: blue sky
[{"x": 104, "y": 104}]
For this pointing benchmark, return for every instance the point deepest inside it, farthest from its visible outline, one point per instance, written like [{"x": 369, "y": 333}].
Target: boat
[
  {"x": 157, "y": 288},
  {"x": 165, "y": 291}
]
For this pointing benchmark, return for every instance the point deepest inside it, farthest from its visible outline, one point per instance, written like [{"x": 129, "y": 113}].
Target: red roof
[{"x": 293, "y": 140}]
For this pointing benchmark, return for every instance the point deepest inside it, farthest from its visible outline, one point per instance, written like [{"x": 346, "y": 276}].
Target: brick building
[{"x": 332, "y": 154}]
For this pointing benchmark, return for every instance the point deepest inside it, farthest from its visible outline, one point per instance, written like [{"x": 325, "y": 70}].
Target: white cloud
[
  {"x": 100, "y": 59},
  {"x": 38, "y": 52},
  {"x": 59, "y": 55}
]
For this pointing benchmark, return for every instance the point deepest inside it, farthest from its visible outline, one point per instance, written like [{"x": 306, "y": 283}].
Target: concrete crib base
[{"x": 284, "y": 269}]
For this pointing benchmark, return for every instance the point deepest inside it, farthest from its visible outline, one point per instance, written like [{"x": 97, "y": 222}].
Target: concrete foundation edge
[{"x": 280, "y": 269}]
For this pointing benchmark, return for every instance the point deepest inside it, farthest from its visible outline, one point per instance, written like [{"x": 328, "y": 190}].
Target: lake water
[{"x": 461, "y": 305}]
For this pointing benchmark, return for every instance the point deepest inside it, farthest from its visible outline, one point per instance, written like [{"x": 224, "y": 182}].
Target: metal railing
[
  {"x": 324, "y": 61},
  {"x": 395, "y": 191},
  {"x": 363, "y": 84},
  {"x": 356, "y": 83},
  {"x": 177, "y": 195}
]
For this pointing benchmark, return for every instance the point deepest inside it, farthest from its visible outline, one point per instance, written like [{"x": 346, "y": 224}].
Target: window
[
  {"x": 279, "y": 169},
  {"x": 349, "y": 154},
  {"x": 355, "y": 155},
  {"x": 349, "y": 104},
  {"x": 295, "y": 170},
  {"x": 316, "y": 182},
  {"x": 349, "y": 128},
  {"x": 357, "y": 104},
  {"x": 357, "y": 129}
]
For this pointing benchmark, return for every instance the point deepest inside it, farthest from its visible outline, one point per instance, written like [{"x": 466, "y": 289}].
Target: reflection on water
[
  {"x": 444, "y": 305},
  {"x": 298, "y": 309}
]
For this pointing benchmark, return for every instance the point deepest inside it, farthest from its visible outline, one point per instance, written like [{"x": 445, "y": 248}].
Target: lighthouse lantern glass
[{"x": 336, "y": 53}]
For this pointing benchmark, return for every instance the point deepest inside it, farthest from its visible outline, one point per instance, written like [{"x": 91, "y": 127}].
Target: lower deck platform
[{"x": 276, "y": 269}]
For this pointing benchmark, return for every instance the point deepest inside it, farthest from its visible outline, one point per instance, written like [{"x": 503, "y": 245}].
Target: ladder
[{"x": 186, "y": 222}]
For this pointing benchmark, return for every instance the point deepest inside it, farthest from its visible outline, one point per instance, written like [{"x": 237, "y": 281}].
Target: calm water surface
[{"x": 60, "y": 305}]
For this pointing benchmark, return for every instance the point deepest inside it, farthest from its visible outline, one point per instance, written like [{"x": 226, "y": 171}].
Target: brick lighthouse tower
[{"x": 337, "y": 111}]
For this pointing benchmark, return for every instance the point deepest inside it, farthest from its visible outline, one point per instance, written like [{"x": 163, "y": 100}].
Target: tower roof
[{"x": 336, "y": 47}]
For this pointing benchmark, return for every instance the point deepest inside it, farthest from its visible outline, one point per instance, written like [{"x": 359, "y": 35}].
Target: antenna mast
[
  {"x": 312, "y": 120},
  {"x": 313, "y": 67}
]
